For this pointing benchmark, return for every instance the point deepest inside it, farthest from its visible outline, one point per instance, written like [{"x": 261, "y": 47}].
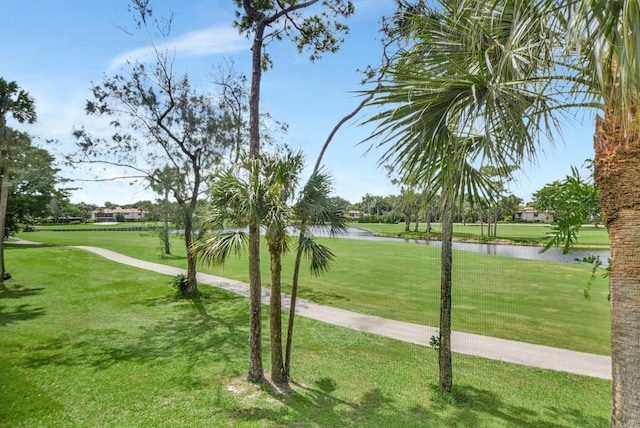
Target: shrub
[{"x": 179, "y": 282}]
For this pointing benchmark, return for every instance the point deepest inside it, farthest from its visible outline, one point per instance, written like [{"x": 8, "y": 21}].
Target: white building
[
  {"x": 112, "y": 214},
  {"x": 530, "y": 214}
]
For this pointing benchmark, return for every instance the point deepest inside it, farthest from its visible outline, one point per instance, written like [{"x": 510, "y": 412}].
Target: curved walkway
[{"x": 527, "y": 354}]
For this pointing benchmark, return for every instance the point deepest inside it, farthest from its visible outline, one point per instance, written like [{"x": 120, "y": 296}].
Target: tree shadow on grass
[
  {"x": 320, "y": 296},
  {"x": 467, "y": 406},
  {"x": 11, "y": 313},
  {"x": 214, "y": 332}
]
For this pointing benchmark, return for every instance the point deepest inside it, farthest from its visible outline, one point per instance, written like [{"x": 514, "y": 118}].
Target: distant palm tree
[{"x": 19, "y": 104}]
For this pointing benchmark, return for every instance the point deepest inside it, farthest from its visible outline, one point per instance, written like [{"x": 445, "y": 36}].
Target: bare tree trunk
[
  {"x": 192, "y": 282},
  {"x": 446, "y": 261},
  {"x": 256, "y": 371},
  {"x": 165, "y": 231},
  {"x": 4, "y": 198},
  {"x": 617, "y": 174}
]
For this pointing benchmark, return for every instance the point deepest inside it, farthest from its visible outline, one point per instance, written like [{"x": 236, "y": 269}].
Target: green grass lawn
[
  {"x": 98, "y": 225},
  {"x": 525, "y": 233},
  {"x": 86, "y": 342},
  {"x": 532, "y": 301}
]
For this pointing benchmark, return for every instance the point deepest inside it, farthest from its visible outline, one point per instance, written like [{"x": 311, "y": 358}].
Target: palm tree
[
  {"x": 314, "y": 207},
  {"x": 261, "y": 193},
  {"x": 282, "y": 179},
  {"x": 604, "y": 35},
  {"x": 445, "y": 113},
  {"x": 162, "y": 181},
  {"x": 601, "y": 69},
  {"x": 19, "y": 104}
]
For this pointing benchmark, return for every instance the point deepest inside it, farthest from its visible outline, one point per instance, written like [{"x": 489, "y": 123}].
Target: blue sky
[{"x": 55, "y": 49}]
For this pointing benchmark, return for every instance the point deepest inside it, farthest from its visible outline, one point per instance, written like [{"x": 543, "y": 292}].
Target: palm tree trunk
[
  {"x": 275, "y": 312},
  {"x": 292, "y": 306},
  {"x": 428, "y": 228},
  {"x": 617, "y": 174},
  {"x": 446, "y": 261},
  {"x": 495, "y": 222}
]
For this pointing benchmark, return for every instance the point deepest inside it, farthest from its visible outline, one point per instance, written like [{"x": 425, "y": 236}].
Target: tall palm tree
[
  {"x": 18, "y": 104},
  {"x": 444, "y": 113},
  {"x": 604, "y": 40}
]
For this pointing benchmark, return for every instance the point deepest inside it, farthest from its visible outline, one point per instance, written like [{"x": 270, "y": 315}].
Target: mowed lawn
[
  {"x": 532, "y": 301},
  {"x": 86, "y": 342},
  {"x": 527, "y": 233}
]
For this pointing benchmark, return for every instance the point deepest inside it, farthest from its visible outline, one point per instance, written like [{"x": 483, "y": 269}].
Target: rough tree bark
[{"x": 617, "y": 174}]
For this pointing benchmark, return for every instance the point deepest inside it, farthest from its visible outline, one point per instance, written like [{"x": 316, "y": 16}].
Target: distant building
[
  {"x": 112, "y": 214},
  {"x": 529, "y": 214},
  {"x": 352, "y": 214}
]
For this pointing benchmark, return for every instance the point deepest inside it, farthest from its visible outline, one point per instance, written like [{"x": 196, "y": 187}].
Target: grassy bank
[
  {"x": 519, "y": 233},
  {"x": 87, "y": 342},
  {"x": 523, "y": 300}
]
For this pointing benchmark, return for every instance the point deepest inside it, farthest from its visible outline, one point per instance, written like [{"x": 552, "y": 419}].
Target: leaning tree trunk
[
  {"x": 617, "y": 175},
  {"x": 292, "y": 305},
  {"x": 278, "y": 375},
  {"x": 446, "y": 261}
]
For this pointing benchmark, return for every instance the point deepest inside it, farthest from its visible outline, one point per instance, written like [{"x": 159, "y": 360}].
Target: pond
[{"x": 519, "y": 251}]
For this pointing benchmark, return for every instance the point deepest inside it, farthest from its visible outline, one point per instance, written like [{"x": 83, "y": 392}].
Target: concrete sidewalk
[{"x": 464, "y": 343}]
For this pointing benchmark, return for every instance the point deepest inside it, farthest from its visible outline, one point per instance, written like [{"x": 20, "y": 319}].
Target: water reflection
[{"x": 519, "y": 251}]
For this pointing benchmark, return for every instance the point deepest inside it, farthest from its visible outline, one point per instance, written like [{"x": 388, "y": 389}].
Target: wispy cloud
[{"x": 209, "y": 41}]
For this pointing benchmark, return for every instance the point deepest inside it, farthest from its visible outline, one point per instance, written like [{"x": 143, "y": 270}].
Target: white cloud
[{"x": 210, "y": 41}]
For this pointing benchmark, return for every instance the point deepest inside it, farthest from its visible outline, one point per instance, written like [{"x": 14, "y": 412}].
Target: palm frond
[
  {"x": 315, "y": 207},
  {"x": 468, "y": 92},
  {"x": 216, "y": 249},
  {"x": 319, "y": 256}
]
